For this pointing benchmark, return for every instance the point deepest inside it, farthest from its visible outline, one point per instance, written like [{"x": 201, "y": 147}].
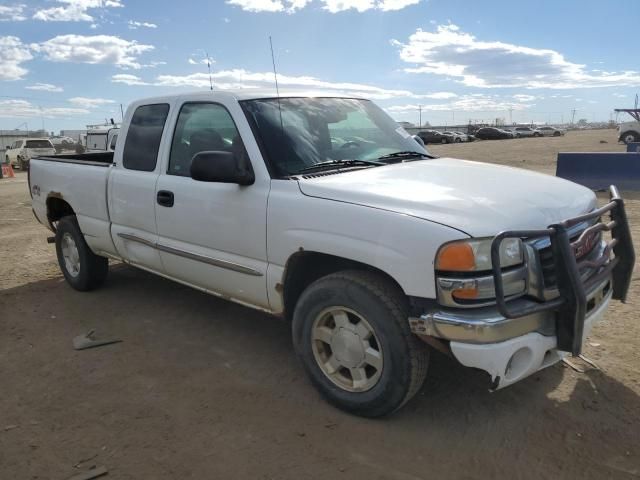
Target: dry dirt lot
[{"x": 202, "y": 389}]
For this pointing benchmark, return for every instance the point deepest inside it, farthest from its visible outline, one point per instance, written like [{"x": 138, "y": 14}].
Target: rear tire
[
  {"x": 351, "y": 331},
  {"x": 83, "y": 269}
]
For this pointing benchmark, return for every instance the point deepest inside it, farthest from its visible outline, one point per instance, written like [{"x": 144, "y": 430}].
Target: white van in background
[{"x": 102, "y": 139}]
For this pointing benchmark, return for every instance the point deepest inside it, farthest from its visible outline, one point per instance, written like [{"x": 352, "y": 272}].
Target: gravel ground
[{"x": 201, "y": 388}]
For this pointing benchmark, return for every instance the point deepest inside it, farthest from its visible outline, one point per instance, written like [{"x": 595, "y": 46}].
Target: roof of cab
[{"x": 250, "y": 94}]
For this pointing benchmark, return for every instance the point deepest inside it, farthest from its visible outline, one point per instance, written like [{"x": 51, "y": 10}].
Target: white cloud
[
  {"x": 466, "y": 103},
  {"x": 134, "y": 25},
  {"x": 94, "y": 49},
  {"x": 22, "y": 108},
  {"x": 12, "y": 54},
  {"x": 128, "y": 79},
  {"x": 45, "y": 87},
  {"x": 333, "y": 6},
  {"x": 525, "y": 98},
  {"x": 387, "y": 5},
  {"x": 620, "y": 95},
  {"x": 452, "y": 53},
  {"x": 74, "y": 10},
  {"x": 269, "y": 5},
  {"x": 12, "y": 13},
  {"x": 90, "y": 102},
  {"x": 240, "y": 78}
]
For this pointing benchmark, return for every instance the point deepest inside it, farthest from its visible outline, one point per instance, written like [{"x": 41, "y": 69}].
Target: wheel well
[
  {"x": 57, "y": 208},
  {"x": 304, "y": 268}
]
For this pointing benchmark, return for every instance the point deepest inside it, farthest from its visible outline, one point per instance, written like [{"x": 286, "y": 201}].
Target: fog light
[{"x": 519, "y": 363}]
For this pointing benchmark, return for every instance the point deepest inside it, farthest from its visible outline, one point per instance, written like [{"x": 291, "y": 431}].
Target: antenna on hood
[{"x": 209, "y": 68}]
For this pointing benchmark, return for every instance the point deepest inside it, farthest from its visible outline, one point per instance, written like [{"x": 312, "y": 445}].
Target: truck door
[
  {"x": 212, "y": 235},
  {"x": 132, "y": 188}
]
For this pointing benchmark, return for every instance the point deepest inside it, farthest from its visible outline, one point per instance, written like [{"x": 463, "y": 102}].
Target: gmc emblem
[{"x": 586, "y": 245}]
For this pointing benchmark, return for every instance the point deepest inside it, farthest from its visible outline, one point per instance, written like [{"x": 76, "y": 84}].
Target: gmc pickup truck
[{"x": 321, "y": 209}]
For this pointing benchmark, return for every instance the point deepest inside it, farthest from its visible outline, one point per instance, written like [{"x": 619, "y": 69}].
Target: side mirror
[
  {"x": 222, "y": 167},
  {"x": 419, "y": 140}
]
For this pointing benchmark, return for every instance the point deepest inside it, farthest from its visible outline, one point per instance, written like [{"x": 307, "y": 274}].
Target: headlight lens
[{"x": 475, "y": 255}]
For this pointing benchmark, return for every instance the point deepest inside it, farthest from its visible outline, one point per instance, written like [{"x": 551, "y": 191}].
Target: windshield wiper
[
  {"x": 339, "y": 163},
  {"x": 405, "y": 154}
]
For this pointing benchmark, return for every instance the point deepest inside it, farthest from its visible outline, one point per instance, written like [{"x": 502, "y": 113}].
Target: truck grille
[{"x": 547, "y": 262}]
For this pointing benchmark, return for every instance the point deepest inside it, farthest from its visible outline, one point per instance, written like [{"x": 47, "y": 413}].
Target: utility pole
[
  {"x": 420, "y": 116},
  {"x": 511, "y": 115},
  {"x": 573, "y": 115}
]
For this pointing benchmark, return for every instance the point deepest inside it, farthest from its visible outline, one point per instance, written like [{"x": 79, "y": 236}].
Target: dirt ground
[{"x": 204, "y": 389}]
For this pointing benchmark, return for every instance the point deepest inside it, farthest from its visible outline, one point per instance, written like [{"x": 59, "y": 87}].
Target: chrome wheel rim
[
  {"x": 346, "y": 349},
  {"x": 629, "y": 139},
  {"x": 70, "y": 255}
]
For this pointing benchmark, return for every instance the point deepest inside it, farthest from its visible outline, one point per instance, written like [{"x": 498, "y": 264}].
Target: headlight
[{"x": 475, "y": 255}]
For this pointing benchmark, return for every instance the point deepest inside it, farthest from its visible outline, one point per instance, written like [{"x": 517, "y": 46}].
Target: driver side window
[{"x": 202, "y": 127}]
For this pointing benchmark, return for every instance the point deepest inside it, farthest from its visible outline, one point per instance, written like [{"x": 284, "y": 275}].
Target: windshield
[
  {"x": 315, "y": 130},
  {"x": 39, "y": 144}
]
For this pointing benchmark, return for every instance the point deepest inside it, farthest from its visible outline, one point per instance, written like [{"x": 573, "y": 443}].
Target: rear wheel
[
  {"x": 630, "y": 137},
  {"x": 458, "y": 140},
  {"x": 351, "y": 331},
  {"x": 556, "y": 134},
  {"x": 83, "y": 269}
]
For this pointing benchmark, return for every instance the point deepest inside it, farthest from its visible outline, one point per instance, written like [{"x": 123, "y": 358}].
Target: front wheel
[
  {"x": 24, "y": 164},
  {"x": 351, "y": 331},
  {"x": 630, "y": 137},
  {"x": 83, "y": 269}
]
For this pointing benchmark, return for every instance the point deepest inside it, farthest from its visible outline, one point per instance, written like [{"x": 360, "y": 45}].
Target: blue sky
[{"x": 71, "y": 62}]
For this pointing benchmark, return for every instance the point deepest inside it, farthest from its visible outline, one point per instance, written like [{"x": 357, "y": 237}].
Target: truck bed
[{"x": 75, "y": 180}]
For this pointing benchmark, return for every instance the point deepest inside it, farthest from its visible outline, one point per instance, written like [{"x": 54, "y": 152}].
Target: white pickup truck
[{"x": 323, "y": 210}]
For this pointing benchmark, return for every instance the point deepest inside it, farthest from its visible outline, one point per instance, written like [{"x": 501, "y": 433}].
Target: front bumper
[
  {"x": 517, "y": 337},
  {"x": 512, "y": 360},
  {"x": 486, "y": 325}
]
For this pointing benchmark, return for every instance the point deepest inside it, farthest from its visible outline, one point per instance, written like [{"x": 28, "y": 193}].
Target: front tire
[
  {"x": 630, "y": 137},
  {"x": 83, "y": 269},
  {"x": 24, "y": 164},
  {"x": 351, "y": 331}
]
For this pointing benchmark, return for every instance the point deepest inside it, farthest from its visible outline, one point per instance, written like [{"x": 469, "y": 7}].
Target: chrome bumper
[{"x": 487, "y": 325}]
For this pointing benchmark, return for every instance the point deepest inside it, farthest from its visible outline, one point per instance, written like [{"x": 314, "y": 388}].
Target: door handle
[{"x": 165, "y": 198}]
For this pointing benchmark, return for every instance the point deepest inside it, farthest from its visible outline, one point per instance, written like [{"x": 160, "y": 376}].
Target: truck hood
[{"x": 479, "y": 199}]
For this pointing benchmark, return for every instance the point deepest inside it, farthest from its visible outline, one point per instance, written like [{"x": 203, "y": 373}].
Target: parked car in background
[
  {"x": 22, "y": 150},
  {"x": 492, "y": 133},
  {"x": 551, "y": 131},
  {"x": 526, "y": 132},
  {"x": 629, "y": 132},
  {"x": 433, "y": 136},
  {"x": 465, "y": 136},
  {"x": 102, "y": 139},
  {"x": 456, "y": 137}
]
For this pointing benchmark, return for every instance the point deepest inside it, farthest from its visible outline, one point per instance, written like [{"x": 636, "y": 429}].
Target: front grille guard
[{"x": 571, "y": 305}]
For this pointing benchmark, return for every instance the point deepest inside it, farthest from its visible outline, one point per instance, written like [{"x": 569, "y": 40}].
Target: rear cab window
[
  {"x": 142, "y": 141},
  {"x": 39, "y": 144}
]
